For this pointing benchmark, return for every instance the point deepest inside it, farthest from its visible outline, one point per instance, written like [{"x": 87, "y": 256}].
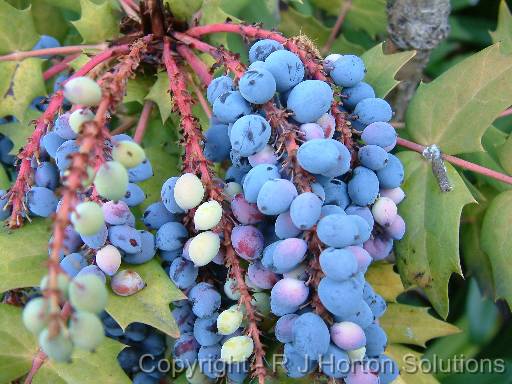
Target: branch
[
  {"x": 143, "y": 121},
  {"x": 194, "y": 160},
  {"x": 344, "y": 8},
  {"x": 17, "y": 192},
  {"x": 59, "y": 67},
  {"x": 195, "y": 63},
  {"x": 459, "y": 162},
  {"x": 67, "y": 50}
]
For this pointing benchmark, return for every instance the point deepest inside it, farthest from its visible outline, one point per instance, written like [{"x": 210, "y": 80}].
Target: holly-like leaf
[
  {"x": 49, "y": 20},
  {"x": 24, "y": 253},
  {"x": 385, "y": 281},
  {"x": 294, "y": 23},
  {"x": 410, "y": 365},
  {"x": 20, "y": 83},
  {"x": 429, "y": 253},
  {"x": 100, "y": 366},
  {"x": 183, "y": 9},
  {"x": 503, "y": 32},
  {"x": 18, "y": 131},
  {"x": 18, "y": 30},
  {"x": 367, "y": 15},
  {"x": 382, "y": 68},
  {"x": 159, "y": 93},
  {"x": 213, "y": 11},
  {"x": 496, "y": 242},
  {"x": 98, "y": 22},
  {"x": 137, "y": 89},
  {"x": 17, "y": 345},
  {"x": 455, "y": 109},
  {"x": 151, "y": 304},
  {"x": 71, "y": 5},
  {"x": 407, "y": 324}
]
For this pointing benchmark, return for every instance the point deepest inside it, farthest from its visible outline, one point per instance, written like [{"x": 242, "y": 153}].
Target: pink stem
[
  {"x": 59, "y": 67},
  {"x": 200, "y": 97},
  {"x": 196, "y": 64},
  {"x": 143, "y": 121},
  {"x": 344, "y": 8},
  {"x": 17, "y": 192},
  {"x": 459, "y": 162},
  {"x": 506, "y": 112},
  {"x": 70, "y": 49}
]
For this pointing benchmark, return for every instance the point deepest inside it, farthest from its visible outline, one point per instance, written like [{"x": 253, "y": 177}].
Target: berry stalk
[{"x": 67, "y": 50}]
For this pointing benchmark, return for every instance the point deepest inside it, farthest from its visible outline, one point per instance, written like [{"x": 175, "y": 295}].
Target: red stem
[
  {"x": 67, "y": 50},
  {"x": 143, "y": 121},
  {"x": 17, "y": 192},
  {"x": 196, "y": 64},
  {"x": 459, "y": 162},
  {"x": 200, "y": 97},
  {"x": 59, "y": 67},
  {"x": 506, "y": 112},
  {"x": 344, "y": 8}
]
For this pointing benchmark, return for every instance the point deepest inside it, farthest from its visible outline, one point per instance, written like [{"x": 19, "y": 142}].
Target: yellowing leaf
[
  {"x": 23, "y": 255},
  {"x": 385, "y": 281},
  {"x": 159, "y": 93},
  {"x": 410, "y": 365},
  {"x": 455, "y": 109},
  {"x": 407, "y": 324},
  {"x": 382, "y": 68},
  {"x": 503, "y": 32},
  {"x": 429, "y": 253},
  {"x": 98, "y": 22},
  {"x": 18, "y": 30},
  {"x": 20, "y": 83},
  {"x": 496, "y": 242},
  {"x": 151, "y": 304}
]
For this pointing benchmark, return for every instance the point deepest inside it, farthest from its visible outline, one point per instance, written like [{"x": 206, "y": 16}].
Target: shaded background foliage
[{"x": 485, "y": 234}]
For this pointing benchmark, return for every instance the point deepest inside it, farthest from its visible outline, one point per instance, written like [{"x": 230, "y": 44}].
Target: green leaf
[
  {"x": 137, "y": 88},
  {"x": 503, "y": 32},
  {"x": 265, "y": 12},
  {"x": 184, "y": 9},
  {"x": 385, "y": 281},
  {"x": 159, "y": 93},
  {"x": 17, "y": 345},
  {"x": 368, "y": 15},
  {"x": 150, "y": 305},
  {"x": 70, "y": 5},
  {"x": 294, "y": 23},
  {"x": 99, "y": 366},
  {"x": 382, "y": 68},
  {"x": 97, "y": 23},
  {"x": 454, "y": 110},
  {"x": 212, "y": 11},
  {"x": 20, "y": 83},
  {"x": 429, "y": 253},
  {"x": 19, "y": 131},
  {"x": 4, "y": 178},
  {"x": 24, "y": 255},
  {"x": 407, "y": 324},
  {"x": 49, "y": 20},
  {"x": 505, "y": 155},
  {"x": 496, "y": 240},
  {"x": 18, "y": 30},
  {"x": 410, "y": 365}
]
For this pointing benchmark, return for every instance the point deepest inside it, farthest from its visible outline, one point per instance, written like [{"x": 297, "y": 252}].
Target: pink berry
[
  {"x": 247, "y": 241},
  {"x": 348, "y": 336},
  {"x": 384, "y": 211},
  {"x": 310, "y": 131},
  {"x": 397, "y": 228},
  {"x": 396, "y": 194},
  {"x": 245, "y": 212},
  {"x": 363, "y": 258},
  {"x": 127, "y": 283}
]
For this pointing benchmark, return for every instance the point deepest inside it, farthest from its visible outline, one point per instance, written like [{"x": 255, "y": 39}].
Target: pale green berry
[
  {"x": 111, "y": 180},
  {"x": 36, "y": 315},
  {"x": 357, "y": 354},
  {"x": 207, "y": 215},
  {"x": 78, "y": 117},
  {"x": 87, "y": 219},
  {"x": 82, "y": 90},
  {"x": 58, "y": 348},
  {"x": 128, "y": 153},
  {"x": 86, "y": 330},
  {"x": 237, "y": 349},
  {"x": 88, "y": 293},
  {"x": 62, "y": 283},
  {"x": 261, "y": 301},
  {"x": 232, "y": 189},
  {"x": 188, "y": 191},
  {"x": 229, "y": 320},
  {"x": 204, "y": 247}
]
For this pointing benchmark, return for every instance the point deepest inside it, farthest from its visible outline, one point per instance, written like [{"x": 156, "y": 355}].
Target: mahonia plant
[{"x": 281, "y": 206}]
